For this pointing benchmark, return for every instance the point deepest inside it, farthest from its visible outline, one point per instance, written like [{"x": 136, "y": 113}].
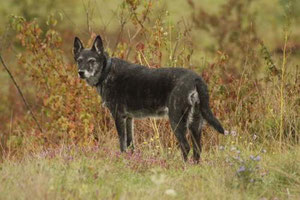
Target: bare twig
[
  {"x": 123, "y": 22},
  {"x": 21, "y": 94},
  {"x": 282, "y": 84},
  {"x": 130, "y": 41},
  {"x": 87, "y": 9}
]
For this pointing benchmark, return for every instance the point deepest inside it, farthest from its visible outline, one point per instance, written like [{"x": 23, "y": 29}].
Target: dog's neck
[{"x": 105, "y": 72}]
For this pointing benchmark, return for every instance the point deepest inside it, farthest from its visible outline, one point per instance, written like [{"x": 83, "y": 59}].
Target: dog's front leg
[
  {"x": 129, "y": 132},
  {"x": 121, "y": 128}
]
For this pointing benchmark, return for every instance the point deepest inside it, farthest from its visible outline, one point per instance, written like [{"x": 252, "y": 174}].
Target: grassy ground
[
  {"x": 238, "y": 52},
  {"x": 102, "y": 173}
]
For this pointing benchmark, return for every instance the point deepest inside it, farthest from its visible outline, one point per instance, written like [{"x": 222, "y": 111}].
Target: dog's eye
[
  {"x": 79, "y": 61},
  {"x": 92, "y": 62}
]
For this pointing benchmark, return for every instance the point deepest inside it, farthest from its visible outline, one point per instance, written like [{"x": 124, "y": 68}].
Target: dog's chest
[{"x": 161, "y": 112}]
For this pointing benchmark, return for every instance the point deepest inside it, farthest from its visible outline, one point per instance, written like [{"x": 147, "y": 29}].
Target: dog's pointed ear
[
  {"x": 98, "y": 45},
  {"x": 77, "y": 46}
]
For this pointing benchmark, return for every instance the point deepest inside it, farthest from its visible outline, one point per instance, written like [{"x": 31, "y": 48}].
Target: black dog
[{"x": 134, "y": 91}]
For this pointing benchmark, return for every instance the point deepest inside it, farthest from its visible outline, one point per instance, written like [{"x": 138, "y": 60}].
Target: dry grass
[{"x": 226, "y": 42}]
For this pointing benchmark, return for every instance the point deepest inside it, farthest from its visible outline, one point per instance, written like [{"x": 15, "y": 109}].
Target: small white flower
[
  {"x": 158, "y": 179},
  {"x": 233, "y": 133},
  {"x": 254, "y": 137},
  {"x": 226, "y": 132},
  {"x": 227, "y": 160},
  {"x": 171, "y": 192}
]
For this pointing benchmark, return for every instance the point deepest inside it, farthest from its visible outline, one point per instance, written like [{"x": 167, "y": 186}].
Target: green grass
[{"x": 105, "y": 174}]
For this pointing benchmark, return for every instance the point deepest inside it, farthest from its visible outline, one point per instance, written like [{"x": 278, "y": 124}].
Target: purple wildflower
[
  {"x": 241, "y": 169},
  {"x": 257, "y": 158}
]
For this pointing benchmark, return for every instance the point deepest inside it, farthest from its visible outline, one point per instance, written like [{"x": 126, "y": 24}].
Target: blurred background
[{"x": 248, "y": 51}]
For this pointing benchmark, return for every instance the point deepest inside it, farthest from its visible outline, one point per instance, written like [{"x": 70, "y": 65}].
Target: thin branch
[
  {"x": 87, "y": 17},
  {"x": 123, "y": 22},
  {"x": 21, "y": 94}
]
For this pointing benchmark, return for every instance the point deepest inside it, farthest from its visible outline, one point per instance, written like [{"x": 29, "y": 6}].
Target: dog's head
[{"x": 90, "y": 62}]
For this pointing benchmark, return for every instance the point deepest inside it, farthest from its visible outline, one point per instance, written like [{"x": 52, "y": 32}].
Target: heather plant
[{"x": 67, "y": 111}]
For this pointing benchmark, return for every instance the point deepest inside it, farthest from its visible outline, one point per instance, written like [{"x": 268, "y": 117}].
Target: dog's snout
[{"x": 81, "y": 74}]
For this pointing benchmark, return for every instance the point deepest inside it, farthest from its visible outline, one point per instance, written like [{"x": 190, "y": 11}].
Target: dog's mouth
[
  {"x": 81, "y": 74},
  {"x": 85, "y": 74}
]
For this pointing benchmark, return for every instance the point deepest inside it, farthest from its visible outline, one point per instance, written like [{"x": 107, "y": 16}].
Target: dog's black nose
[{"x": 81, "y": 74}]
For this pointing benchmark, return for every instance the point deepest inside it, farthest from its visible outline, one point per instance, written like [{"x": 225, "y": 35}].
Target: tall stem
[{"x": 282, "y": 87}]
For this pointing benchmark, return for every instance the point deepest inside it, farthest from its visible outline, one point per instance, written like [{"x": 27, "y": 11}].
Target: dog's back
[{"x": 141, "y": 88}]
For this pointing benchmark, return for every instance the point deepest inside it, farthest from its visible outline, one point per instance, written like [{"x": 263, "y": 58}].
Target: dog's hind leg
[
  {"x": 121, "y": 128},
  {"x": 178, "y": 124},
  {"x": 195, "y": 128},
  {"x": 129, "y": 131}
]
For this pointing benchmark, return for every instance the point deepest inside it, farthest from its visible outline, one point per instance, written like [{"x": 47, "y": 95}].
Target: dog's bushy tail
[{"x": 204, "y": 106}]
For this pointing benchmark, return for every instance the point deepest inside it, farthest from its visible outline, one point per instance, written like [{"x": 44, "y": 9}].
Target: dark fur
[{"x": 134, "y": 91}]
